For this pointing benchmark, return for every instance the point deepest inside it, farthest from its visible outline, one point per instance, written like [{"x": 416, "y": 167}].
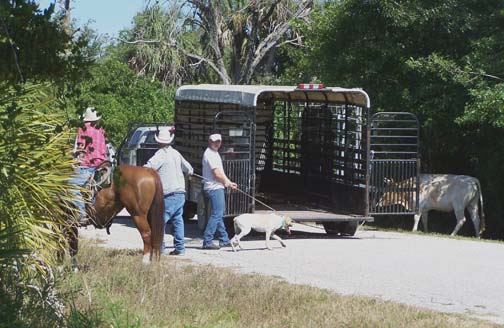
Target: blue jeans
[
  {"x": 80, "y": 178},
  {"x": 216, "y": 219},
  {"x": 174, "y": 208}
]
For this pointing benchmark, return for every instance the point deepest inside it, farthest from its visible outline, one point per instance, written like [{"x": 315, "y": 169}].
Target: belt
[{"x": 174, "y": 193}]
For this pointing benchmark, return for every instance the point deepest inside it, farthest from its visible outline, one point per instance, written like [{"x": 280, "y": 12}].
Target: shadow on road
[{"x": 192, "y": 231}]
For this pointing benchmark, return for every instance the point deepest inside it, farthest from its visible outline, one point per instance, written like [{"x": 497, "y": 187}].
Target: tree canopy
[
  {"x": 441, "y": 60},
  {"x": 230, "y": 42},
  {"x": 34, "y": 46},
  {"x": 122, "y": 98}
]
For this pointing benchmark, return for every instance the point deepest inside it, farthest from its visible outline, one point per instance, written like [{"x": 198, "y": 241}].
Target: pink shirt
[{"x": 95, "y": 147}]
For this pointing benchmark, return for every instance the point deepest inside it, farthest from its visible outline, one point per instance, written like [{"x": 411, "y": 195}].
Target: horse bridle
[
  {"x": 94, "y": 187},
  {"x": 99, "y": 225}
]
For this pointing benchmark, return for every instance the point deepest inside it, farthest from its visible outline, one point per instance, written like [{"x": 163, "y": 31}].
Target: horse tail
[
  {"x": 156, "y": 218},
  {"x": 482, "y": 222}
]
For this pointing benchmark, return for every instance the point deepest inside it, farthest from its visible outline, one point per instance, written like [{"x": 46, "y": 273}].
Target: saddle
[{"x": 102, "y": 177}]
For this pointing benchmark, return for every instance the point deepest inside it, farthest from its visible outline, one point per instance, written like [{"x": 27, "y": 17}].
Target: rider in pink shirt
[
  {"x": 91, "y": 142},
  {"x": 91, "y": 151}
]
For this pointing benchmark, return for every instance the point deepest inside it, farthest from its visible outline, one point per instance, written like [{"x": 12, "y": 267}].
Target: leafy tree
[
  {"x": 229, "y": 42},
  {"x": 35, "y": 169},
  {"x": 35, "y": 162},
  {"x": 33, "y": 46},
  {"x": 152, "y": 51},
  {"x": 439, "y": 59},
  {"x": 121, "y": 97}
]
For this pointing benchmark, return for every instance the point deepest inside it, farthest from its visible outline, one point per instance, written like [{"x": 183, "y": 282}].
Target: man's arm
[
  {"x": 78, "y": 146},
  {"x": 101, "y": 143},
  {"x": 186, "y": 166},
  {"x": 222, "y": 178},
  {"x": 154, "y": 162}
]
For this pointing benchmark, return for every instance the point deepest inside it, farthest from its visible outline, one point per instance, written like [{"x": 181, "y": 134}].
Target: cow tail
[
  {"x": 156, "y": 218},
  {"x": 482, "y": 224}
]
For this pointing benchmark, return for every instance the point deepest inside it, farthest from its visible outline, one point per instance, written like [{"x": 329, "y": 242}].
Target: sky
[{"x": 105, "y": 16}]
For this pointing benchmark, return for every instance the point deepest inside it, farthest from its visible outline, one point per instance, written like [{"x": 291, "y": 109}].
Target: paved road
[{"x": 442, "y": 274}]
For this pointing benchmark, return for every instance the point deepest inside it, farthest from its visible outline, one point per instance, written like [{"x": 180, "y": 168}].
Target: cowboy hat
[
  {"x": 90, "y": 115},
  {"x": 164, "y": 136}
]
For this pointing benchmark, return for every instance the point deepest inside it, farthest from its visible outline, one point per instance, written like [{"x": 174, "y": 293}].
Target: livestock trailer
[{"x": 314, "y": 153}]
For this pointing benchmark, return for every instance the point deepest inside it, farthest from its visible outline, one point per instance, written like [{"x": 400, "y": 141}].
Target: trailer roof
[{"x": 247, "y": 95}]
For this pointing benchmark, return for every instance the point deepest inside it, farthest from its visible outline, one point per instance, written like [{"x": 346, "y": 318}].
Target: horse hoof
[
  {"x": 75, "y": 266},
  {"x": 146, "y": 259}
]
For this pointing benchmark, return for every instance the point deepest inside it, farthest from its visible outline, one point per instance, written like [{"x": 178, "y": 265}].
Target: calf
[{"x": 441, "y": 192}]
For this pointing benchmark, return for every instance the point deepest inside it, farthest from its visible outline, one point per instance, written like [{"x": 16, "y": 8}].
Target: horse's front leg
[
  {"x": 71, "y": 234},
  {"x": 73, "y": 243},
  {"x": 145, "y": 231}
]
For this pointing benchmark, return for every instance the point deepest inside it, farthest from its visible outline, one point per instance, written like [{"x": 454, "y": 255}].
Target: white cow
[{"x": 441, "y": 192}]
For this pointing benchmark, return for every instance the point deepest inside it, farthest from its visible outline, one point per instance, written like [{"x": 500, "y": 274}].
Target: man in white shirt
[
  {"x": 171, "y": 166},
  {"x": 215, "y": 181}
]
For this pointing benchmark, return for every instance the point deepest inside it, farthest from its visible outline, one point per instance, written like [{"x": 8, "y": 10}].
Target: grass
[
  {"x": 115, "y": 290},
  {"x": 420, "y": 232},
  {"x": 441, "y": 224}
]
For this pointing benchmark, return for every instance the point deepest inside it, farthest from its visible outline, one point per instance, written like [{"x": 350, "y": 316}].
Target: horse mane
[{"x": 156, "y": 217}]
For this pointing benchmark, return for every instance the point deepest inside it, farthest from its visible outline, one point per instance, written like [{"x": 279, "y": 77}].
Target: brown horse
[{"x": 139, "y": 190}]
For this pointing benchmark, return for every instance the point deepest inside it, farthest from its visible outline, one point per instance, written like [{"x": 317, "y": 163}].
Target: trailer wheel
[
  {"x": 333, "y": 228},
  {"x": 190, "y": 209},
  {"x": 343, "y": 228},
  {"x": 350, "y": 228},
  {"x": 203, "y": 209}
]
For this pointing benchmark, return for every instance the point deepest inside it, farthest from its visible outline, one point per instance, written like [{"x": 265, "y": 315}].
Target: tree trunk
[{"x": 66, "y": 19}]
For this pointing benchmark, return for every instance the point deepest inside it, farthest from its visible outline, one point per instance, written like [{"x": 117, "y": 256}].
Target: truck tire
[
  {"x": 341, "y": 228},
  {"x": 203, "y": 210}
]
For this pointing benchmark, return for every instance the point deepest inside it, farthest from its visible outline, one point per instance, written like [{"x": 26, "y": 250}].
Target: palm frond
[{"x": 36, "y": 166}]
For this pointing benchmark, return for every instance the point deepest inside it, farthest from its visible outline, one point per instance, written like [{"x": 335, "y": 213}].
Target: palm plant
[
  {"x": 228, "y": 41},
  {"x": 159, "y": 40},
  {"x": 35, "y": 166}
]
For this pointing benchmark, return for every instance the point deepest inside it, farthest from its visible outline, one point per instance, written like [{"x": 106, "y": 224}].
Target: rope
[{"x": 243, "y": 192}]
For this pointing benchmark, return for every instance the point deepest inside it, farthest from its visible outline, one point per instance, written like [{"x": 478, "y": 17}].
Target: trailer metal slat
[
  {"x": 388, "y": 144},
  {"x": 401, "y": 136},
  {"x": 393, "y": 129}
]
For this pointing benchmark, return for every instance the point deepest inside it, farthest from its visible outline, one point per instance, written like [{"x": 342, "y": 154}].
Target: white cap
[
  {"x": 165, "y": 137},
  {"x": 215, "y": 137}
]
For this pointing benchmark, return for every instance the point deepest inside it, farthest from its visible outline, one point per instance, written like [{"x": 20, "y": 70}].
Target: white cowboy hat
[
  {"x": 90, "y": 115},
  {"x": 215, "y": 137},
  {"x": 165, "y": 137}
]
